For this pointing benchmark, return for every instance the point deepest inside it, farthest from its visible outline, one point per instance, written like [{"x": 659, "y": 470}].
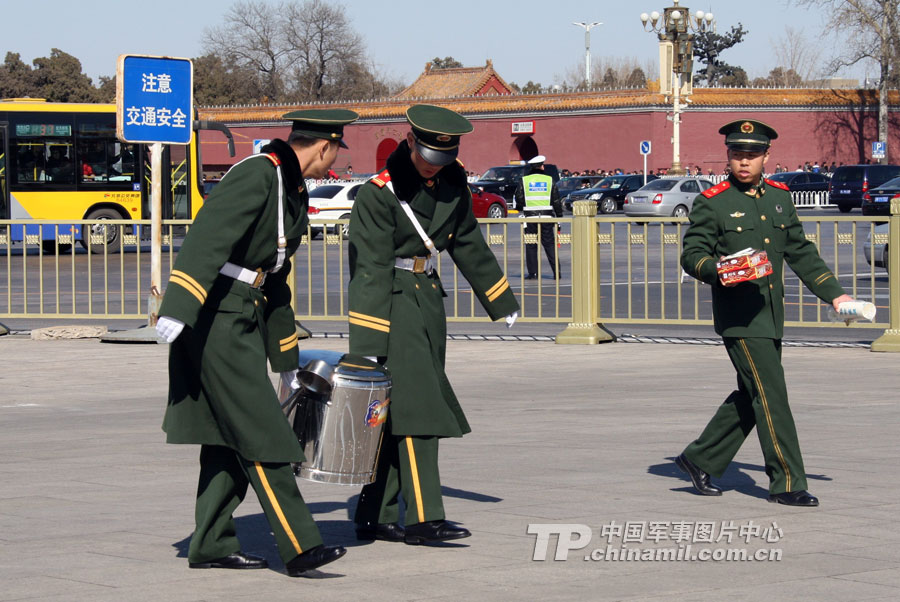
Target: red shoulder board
[
  {"x": 381, "y": 179},
  {"x": 274, "y": 159},
  {"x": 720, "y": 187},
  {"x": 781, "y": 185}
]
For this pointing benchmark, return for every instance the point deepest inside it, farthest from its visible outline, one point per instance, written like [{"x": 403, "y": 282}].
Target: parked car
[
  {"x": 487, "y": 204},
  {"x": 504, "y": 179},
  {"x": 877, "y": 201},
  {"x": 332, "y": 201},
  {"x": 850, "y": 184},
  {"x": 609, "y": 192},
  {"x": 571, "y": 184},
  {"x": 877, "y": 250},
  {"x": 665, "y": 197},
  {"x": 798, "y": 181}
]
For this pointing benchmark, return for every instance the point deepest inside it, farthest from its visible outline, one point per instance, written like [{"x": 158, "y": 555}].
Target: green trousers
[
  {"x": 407, "y": 466},
  {"x": 224, "y": 476},
  {"x": 760, "y": 400}
]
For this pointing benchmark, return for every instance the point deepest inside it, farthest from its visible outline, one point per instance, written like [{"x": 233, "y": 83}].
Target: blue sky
[{"x": 527, "y": 40}]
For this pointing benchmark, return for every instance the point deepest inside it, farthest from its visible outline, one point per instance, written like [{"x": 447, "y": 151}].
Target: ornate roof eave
[{"x": 574, "y": 103}]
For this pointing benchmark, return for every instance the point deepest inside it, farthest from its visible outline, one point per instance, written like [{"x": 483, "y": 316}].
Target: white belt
[
  {"x": 417, "y": 265},
  {"x": 254, "y": 278}
]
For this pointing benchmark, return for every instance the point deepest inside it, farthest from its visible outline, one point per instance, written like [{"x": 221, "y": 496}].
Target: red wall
[{"x": 608, "y": 141}]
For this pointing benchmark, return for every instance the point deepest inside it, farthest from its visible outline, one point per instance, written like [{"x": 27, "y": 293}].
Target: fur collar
[
  {"x": 290, "y": 166},
  {"x": 407, "y": 181}
]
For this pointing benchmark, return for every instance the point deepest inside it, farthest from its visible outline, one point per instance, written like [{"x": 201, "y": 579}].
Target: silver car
[
  {"x": 880, "y": 246},
  {"x": 665, "y": 197}
]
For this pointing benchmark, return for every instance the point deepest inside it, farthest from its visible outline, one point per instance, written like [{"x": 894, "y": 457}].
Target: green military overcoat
[
  {"x": 219, "y": 389},
  {"x": 724, "y": 220},
  {"x": 399, "y": 315}
]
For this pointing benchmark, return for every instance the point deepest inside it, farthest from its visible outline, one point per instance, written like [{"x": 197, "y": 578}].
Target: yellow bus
[{"x": 62, "y": 161}]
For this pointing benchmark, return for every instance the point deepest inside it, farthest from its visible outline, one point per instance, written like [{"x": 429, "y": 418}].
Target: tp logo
[{"x": 564, "y": 541}]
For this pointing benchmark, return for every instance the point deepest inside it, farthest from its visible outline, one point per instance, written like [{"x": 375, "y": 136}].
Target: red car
[{"x": 487, "y": 204}]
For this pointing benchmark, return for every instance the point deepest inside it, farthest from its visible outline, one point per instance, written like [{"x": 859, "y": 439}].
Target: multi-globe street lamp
[{"x": 676, "y": 28}]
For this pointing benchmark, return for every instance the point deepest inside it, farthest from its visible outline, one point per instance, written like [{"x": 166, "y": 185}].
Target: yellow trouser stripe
[
  {"x": 371, "y": 325},
  {"x": 277, "y": 507},
  {"x": 499, "y": 284},
  {"x": 187, "y": 278},
  {"x": 415, "y": 478},
  {"x": 356, "y": 314},
  {"x": 765, "y": 405},
  {"x": 199, "y": 295}
]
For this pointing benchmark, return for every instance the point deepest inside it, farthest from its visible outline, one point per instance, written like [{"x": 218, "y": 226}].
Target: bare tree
[
  {"x": 324, "y": 45},
  {"x": 609, "y": 72},
  {"x": 252, "y": 36},
  {"x": 796, "y": 55},
  {"x": 872, "y": 29}
]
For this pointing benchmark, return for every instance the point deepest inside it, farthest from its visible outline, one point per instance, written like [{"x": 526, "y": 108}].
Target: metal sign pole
[{"x": 155, "y": 300}]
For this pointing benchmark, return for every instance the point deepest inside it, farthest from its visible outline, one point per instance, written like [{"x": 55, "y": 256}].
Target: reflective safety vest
[{"x": 537, "y": 189}]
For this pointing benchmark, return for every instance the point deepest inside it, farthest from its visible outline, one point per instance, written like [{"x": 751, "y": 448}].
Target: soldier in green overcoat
[
  {"x": 397, "y": 315},
  {"x": 748, "y": 211},
  {"x": 227, "y": 309}
]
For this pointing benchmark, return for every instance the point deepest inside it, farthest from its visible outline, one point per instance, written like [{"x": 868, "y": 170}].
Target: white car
[{"x": 332, "y": 201}]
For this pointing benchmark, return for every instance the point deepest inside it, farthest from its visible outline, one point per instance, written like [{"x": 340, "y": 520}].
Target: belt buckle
[
  {"x": 260, "y": 278},
  {"x": 419, "y": 264}
]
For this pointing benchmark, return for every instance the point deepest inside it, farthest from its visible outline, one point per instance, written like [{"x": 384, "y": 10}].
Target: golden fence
[{"x": 633, "y": 273}]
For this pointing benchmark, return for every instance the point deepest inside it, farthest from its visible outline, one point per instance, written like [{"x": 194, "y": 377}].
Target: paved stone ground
[{"x": 94, "y": 506}]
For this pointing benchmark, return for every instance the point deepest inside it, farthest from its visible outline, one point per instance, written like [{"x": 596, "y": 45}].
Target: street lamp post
[
  {"x": 676, "y": 28},
  {"x": 587, "y": 49}
]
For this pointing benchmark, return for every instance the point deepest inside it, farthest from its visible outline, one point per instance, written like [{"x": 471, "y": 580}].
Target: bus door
[
  {"x": 176, "y": 198},
  {"x": 4, "y": 188}
]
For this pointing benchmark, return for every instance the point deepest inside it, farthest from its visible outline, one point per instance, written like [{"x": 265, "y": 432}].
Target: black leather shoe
[
  {"x": 238, "y": 560},
  {"x": 794, "y": 498},
  {"x": 530, "y": 277},
  {"x": 433, "y": 531},
  {"x": 313, "y": 558},
  {"x": 382, "y": 531},
  {"x": 699, "y": 478}
]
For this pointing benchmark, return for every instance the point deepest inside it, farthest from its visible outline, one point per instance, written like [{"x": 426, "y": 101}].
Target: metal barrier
[{"x": 625, "y": 271}]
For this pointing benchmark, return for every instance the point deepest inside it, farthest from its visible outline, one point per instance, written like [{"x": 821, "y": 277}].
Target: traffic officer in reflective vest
[
  {"x": 748, "y": 211},
  {"x": 402, "y": 220},
  {"x": 537, "y": 196},
  {"x": 226, "y": 310}
]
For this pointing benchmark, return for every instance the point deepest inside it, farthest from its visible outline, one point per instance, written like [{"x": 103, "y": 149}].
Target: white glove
[
  {"x": 168, "y": 329},
  {"x": 289, "y": 380},
  {"x": 511, "y": 319},
  {"x": 371, "y": 358}
]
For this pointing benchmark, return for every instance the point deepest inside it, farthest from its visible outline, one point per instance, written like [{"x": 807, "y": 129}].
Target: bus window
[
  {"x": 102, "y": 158},
  {"x": 4, "y": 194}
]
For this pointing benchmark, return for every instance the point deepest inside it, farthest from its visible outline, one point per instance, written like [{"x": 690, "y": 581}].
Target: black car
[
  {"x": 609, "y": 192},
  {"x": 798, "y": 181},
  {"x": 877, "y": 201},
  {"x": 850, "y": 184},
  {"x": 571, "y": 184},
  {"x": 504, "y": 179}
]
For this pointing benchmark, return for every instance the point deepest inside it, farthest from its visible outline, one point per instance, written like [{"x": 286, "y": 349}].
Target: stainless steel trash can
[{"x": 338, "y": 414}]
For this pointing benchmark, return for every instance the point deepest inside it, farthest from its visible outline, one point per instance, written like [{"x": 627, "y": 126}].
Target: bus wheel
[{"x": 98, "y": 236}]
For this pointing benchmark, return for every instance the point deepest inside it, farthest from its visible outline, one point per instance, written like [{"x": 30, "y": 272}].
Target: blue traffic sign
[
  {"x": 878, "y": 150},
  {"x": 154, "y": 99},
  {"x": 645, "y": 147}
]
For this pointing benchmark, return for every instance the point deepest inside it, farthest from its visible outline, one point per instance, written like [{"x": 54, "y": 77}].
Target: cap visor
[
  {"x": 748, "y": 148},
  {"x": 436, "y": 157},
  {"x": 343, "y": 144}
]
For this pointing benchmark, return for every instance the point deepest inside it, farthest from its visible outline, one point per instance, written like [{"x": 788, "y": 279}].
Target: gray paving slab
[{"x": 94, "y": 505}]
